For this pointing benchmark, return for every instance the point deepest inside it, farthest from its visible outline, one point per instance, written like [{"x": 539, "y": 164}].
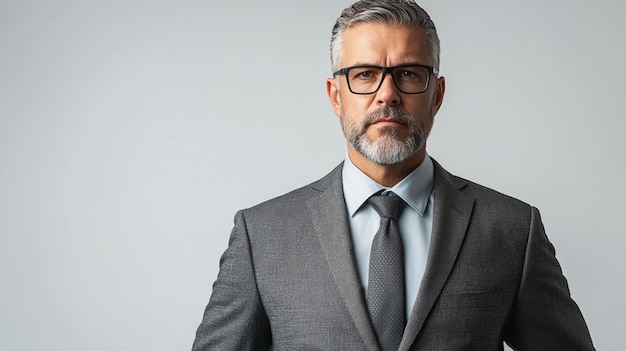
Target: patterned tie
[{"x": 385, "y": 296}]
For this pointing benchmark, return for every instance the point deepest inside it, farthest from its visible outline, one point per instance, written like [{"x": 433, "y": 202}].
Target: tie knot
[{"x": 389, "y": 205}]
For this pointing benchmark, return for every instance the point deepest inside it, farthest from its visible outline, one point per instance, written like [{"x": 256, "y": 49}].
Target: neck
[{"x": 387, "y": 175}]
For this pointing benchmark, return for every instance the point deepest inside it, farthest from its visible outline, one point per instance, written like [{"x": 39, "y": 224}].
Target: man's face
[{"x": 389, "y": 126}]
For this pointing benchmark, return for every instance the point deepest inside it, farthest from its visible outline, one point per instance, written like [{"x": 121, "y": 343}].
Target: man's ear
[
  {"x": 441, "y": 89},
  {"x": 333, "y": 95}
]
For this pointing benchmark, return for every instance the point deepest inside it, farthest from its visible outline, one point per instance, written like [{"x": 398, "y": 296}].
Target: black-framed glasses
[{"x": 367, "y": 79}]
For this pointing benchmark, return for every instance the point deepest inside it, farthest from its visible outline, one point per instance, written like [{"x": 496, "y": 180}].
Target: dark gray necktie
[{"x": 385, "y": 287}]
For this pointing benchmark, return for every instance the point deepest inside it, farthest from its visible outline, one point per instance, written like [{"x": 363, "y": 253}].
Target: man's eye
[{"x": 364, "y": 75}]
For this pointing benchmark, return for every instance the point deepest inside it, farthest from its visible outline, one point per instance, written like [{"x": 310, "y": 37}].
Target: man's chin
[
  {"x": 396, "y": 132},
  {"x": 386, "y": 155},
  {"x": 385, "y": 136},
  {"x": 389, "y": 160}
]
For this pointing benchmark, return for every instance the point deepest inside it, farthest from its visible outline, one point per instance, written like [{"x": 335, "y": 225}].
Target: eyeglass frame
[{"x": 344, "y": 72}]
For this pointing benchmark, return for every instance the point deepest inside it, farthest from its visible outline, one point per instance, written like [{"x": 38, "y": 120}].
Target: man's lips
[{"x": 387, "y": 121}]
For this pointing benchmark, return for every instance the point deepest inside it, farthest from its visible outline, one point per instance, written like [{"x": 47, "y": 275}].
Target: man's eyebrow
[{"x": 400, "y": 64}]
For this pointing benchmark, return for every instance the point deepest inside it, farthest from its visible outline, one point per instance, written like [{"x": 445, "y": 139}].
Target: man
[{"x": 389, "y": 251}]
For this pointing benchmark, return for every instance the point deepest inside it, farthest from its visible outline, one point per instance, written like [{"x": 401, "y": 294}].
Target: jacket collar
[
  {"x": 452, "y": 213},
  {"x": 329, "y": 216}
]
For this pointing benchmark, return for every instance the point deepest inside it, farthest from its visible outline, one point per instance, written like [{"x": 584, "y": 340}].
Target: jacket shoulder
[
  {"x": 295, "y": 200},
  {"x": 492, "y": 206}
]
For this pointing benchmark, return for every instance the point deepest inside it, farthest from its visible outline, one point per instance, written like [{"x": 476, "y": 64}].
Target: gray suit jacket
[{"x": 288, "y": 280}]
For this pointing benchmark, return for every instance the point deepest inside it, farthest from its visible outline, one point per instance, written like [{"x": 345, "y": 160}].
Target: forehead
[{"x": 385, "y": 45}]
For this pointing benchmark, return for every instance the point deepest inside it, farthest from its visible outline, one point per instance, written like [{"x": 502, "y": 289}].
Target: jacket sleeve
[
  {"x": 544, "y": 317},
  {"x": 234, "y": 319}
]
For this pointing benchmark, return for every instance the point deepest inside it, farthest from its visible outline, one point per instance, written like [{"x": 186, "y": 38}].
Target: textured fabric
[
  {"x": 415, "y": 224},
  {"x": 385, "y": 297},
  {"x": 288, "y": 280}
]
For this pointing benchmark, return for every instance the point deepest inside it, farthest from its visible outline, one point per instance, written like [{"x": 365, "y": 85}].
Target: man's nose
[{"x": 388, "y": 93}]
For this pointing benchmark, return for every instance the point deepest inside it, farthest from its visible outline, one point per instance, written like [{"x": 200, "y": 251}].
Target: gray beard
[{"x": 388, "y": 149}]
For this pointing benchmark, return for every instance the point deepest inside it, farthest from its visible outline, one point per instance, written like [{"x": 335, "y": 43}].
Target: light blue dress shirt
[{"x": 415, "y": 222}]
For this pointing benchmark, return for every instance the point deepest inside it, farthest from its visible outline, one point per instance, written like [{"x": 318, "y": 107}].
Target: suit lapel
[
  {"x": 451, "y": 217},
  {"x": 328, "y": 212}
]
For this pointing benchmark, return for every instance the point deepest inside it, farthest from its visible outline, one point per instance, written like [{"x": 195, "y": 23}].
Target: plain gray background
[{"x": 131, "y": 132}]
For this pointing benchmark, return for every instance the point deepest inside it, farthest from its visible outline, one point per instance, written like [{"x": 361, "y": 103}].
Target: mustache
[{"x": 388, "y": 112}]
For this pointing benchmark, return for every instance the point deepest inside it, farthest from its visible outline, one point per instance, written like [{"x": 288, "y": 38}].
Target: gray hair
[{"x": 395, "y": 12}]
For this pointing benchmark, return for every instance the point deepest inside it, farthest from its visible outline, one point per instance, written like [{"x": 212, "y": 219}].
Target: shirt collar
[{"x": 414, "y": 189}]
